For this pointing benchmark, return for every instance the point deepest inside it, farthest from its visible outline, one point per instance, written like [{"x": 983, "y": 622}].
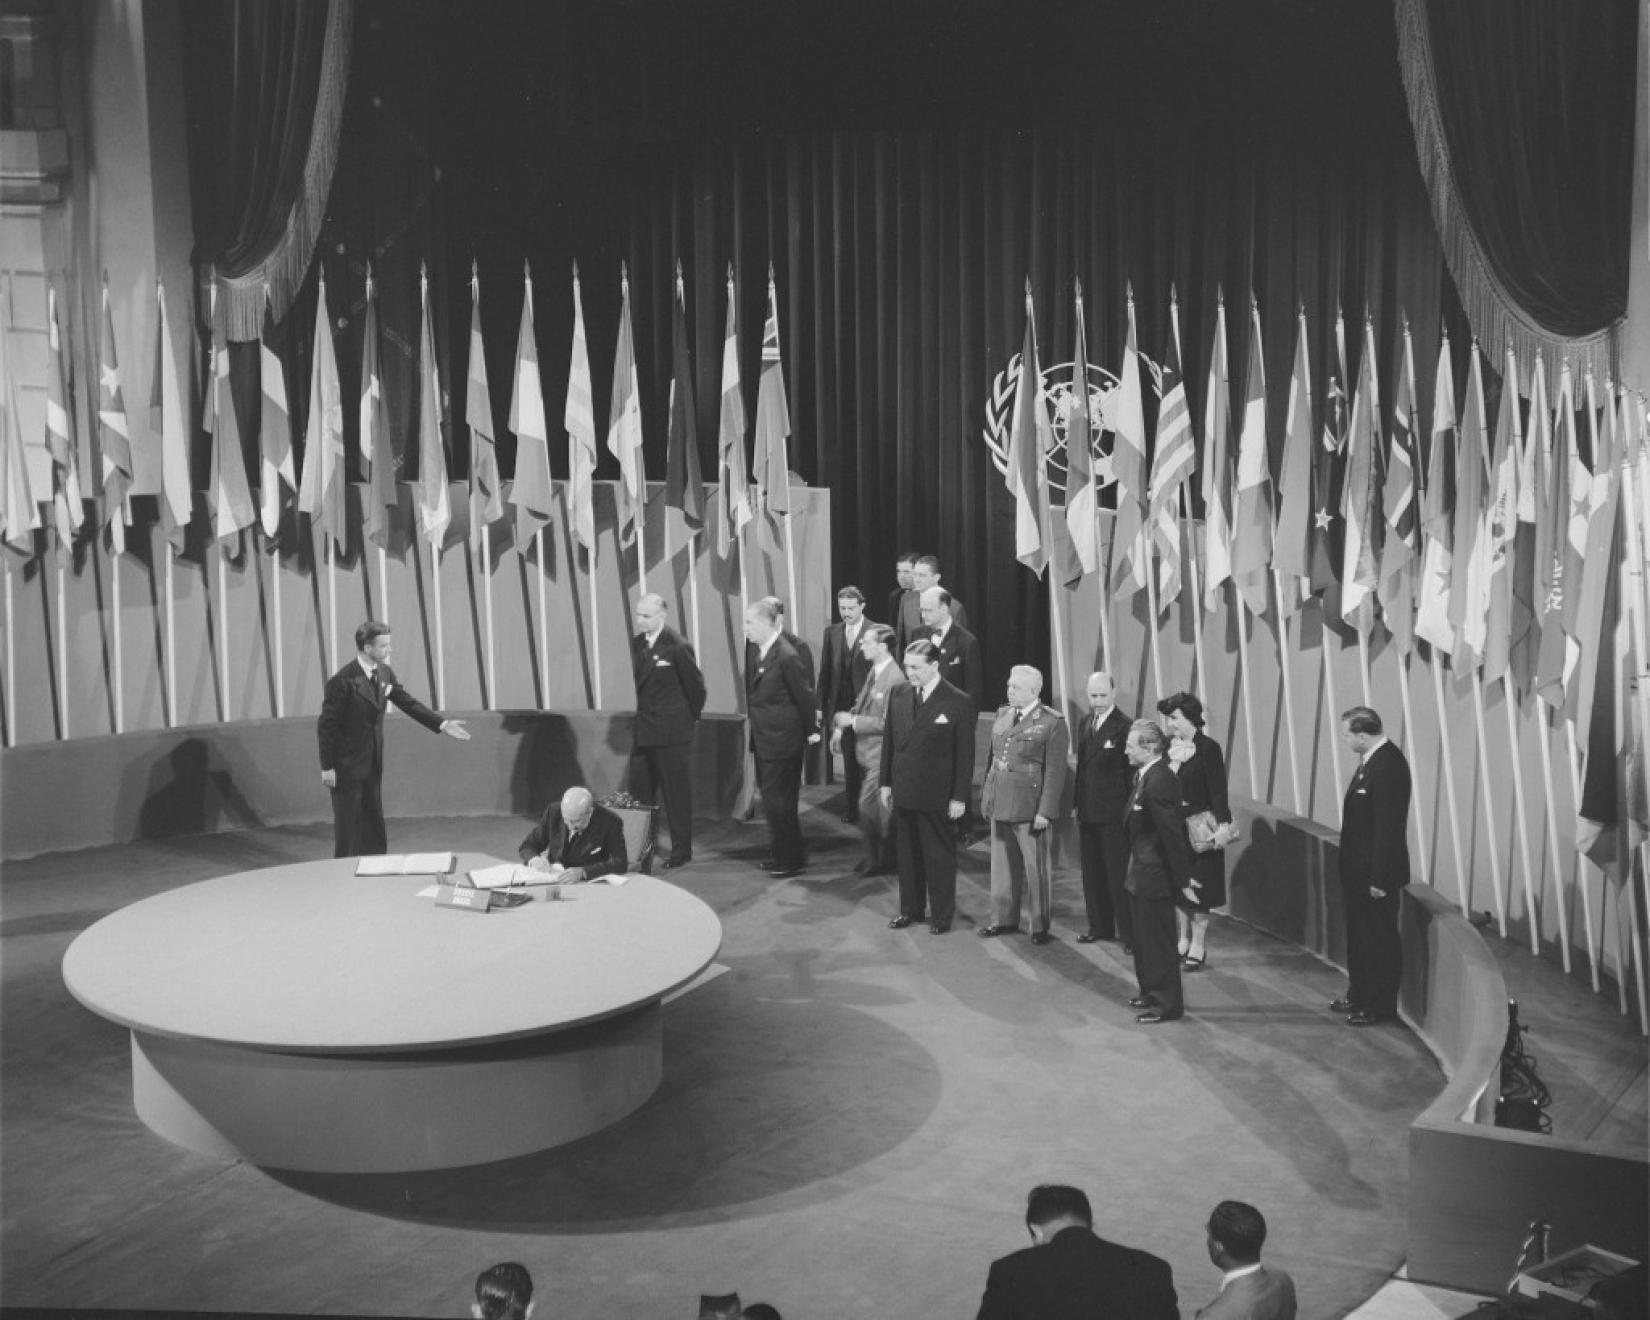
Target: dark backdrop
[{"x": 904, "y": 167}]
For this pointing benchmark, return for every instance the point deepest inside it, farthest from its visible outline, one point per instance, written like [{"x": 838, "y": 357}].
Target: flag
[
  {"x": 113, "y": 434},
  {"x": 773, "y": 420},
  {"x": 1173, "y": 459},
  {"x": 732, "y": 481},
  {"x": 1400, "y": 507},
  {"x": 1130, "y": 549},
  {"x": 684, "y": 488},
  {"x": 624, "y": 425},
  {"x": 170, "y": 423},
  {"x": 68, "y": 507},
  {"x": 1595, "y": 614},
  {"x": 1361, "y": 496},
  {"x": 274, "y": 430},
  {"x": 532, "y": 491},
  {"x": 579, "y": 418},
  {"x": 1558, "y": 556},
  {"x": 1252, "y": 506},
  {"x": 1503, "y": 526},
  {"x": 1082, "y": 496},
  {"x": 1325, "y": 539},
  {"x": 1469, "y": 598},
  {"x": 230, "y": 494},
  {"x": 1027, "y": 476},
  {"x": 377, "y": 453},
  {"x": 1217, "y": 477},
  {"x": 1292, "y": 548},
  {"x": 1606, "y": 659},
  {"x": 1534, "y": 459},
  {"x": 434, "y": 509},
  {"x": 321, "y": 483},
  {"x": 486, "y": 490},
  {"x": 19, "y": 512},
  {"x": 1432, "y": 606}
]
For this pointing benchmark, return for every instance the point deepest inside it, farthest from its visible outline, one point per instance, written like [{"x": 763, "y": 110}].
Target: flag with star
[
  {"x": 68, "y": 506},
  {"x": 1563, "y": 542},
  {"x": 1361, "y": 495},
  {"x": 1291, "y": 549},
  {"x": 1174, "y": 458},
  {"x": 114, "y": 435},
  {"x": 1325, "y": 536}
]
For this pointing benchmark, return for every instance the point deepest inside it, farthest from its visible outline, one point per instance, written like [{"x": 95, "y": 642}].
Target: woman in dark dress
[{"x": 1201, "y": 769}]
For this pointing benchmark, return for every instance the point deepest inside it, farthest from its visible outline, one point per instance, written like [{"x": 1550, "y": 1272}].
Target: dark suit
[
  {"x": 779, "y": 702},
  {"x": 905, "y": 618},
  {"x": 351, "y": 736},
  {"x": 1160, "y": 864},
  {"x": 928, "y": 762},
  {"x": 599, "y": 847},
  {"x": 842, "y": 673},
  {"x": 1077, "y": 1275},
  {"x": 960, "y": 663},
  {"x": 1103, "y": 776},
  {"x": 1375, "y": 853},
  {"x": 670, "y": 694},
  {"x": 1267, "y": 1294}
]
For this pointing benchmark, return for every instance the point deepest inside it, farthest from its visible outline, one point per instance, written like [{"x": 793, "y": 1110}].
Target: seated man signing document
[{"x": 576, "y": 840}]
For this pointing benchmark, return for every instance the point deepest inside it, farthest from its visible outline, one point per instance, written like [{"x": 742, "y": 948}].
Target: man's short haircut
[
  {"x": 503, "y": 1291},
  {"x": 1186, "y": 703},
  {"x": 765, "y": 609},
  {"x": 850, "y": 592},
  {"x": 1102, "y": 673},
  {"x": 925, "y": 648},
  {"x": 1240, "y": 1228},
  {"x": 1052, "y": 1201},
  {"x": 1361, "y": 719},
  {"x": 1151, "y": 736},
  {"x": 880, "y": 632},
  {"x": 1032, "y": 674},
  {"x": 777, "y": 604},
  {"x": 908, "y": 556},
  {"x": 655, "y": 601},
  {"x": 368, "y": 633},
  {"x": 927, "y": 561},
  {"x": 941, "y": 595}
]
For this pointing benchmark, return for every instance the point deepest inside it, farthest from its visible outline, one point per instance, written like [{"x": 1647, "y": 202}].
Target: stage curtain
[
  {"x": 1522, "y": 113},
  {"x": 265, "y": 95}
]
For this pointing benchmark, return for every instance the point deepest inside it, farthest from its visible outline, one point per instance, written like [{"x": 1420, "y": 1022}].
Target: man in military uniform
[{"x": 1021, "y": 795}]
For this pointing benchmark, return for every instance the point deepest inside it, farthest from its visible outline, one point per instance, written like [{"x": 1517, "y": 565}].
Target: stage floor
[{"x": 849, "y": 1120}]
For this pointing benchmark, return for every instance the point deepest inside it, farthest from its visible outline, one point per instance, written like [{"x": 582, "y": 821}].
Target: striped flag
[
  {"x": 1217, "y": 467},
  {"x": 170, "y": 423},
  {"x": 684, "y": 487},
  {"x": 1173, "y": 461},
  {"x": 624, "y": 425},
  {"x": 1432, "y": 606},
  {"x": 579, "y": 418},
  {"x": 1028, "y": 436},
  {"x": 114, "y": 436},
  {"x": 773, "y": 420},
  {"x": 19, "y": 511},
  {"x": 321, "y": 483},
  {"x": 1361, "y": 495},
  {"x": 1130, "y": 549},
  {"x": 274, "y": 430},
  {"x": 434, "y": 506},
  {"x": 1292, "y": 549},
  {"x": 1563, "y": 544},
  {"x": 1398, "y": 550},
  {"x": 68, "y": 506},
  {"x": 1470, "y": 569},
  {"x": 732, "y": 481},
  {"x": 230, "y": 494},
  {"x": 377, "y": 453},
  {"x": 486, "y": 490},
  {"x": 532, "y": 491},
  {"x": 1082, "y": 496}
]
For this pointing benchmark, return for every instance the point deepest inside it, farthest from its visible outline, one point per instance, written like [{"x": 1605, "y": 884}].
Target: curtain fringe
[
  {"x": 1495, "y": 316},
  {"x": 242, "y": 297}
]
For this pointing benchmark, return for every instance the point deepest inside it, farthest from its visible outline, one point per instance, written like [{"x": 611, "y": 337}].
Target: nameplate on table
[{"x": 468, "y": 898}]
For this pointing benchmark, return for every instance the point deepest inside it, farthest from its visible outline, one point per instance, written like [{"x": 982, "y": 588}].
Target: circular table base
[{"x": 384, "y": 1113}]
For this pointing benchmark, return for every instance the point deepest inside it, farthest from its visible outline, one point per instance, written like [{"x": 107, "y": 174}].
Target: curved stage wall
[
  {"x": 1474, "y": 1189},
  {"x": 94, "y": 791}
]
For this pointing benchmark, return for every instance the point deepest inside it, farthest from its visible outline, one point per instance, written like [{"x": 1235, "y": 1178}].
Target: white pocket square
[
  {"x": 661, "y": 664},
  {"x": 942, "y": 720},
  {"x": 1108, "y": 746}
]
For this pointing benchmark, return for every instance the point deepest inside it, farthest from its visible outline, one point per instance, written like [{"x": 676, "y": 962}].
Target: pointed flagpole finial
[
  {"x": 1369, "y": 317},
  {"x": 475, "y": 270},
  {"x": 1300, "y": 309},
  {"x": 624, "y": 278},
  {"x": 678, "y": 270},
  {"x": 770, "y": 270},
  {"x": 575, "y": 270},
  {"x": 1403, "y": 316},
  {"x": 423, "y": 280},
  {"x": 1128, "y": 292},
  {"x": 1077, "y": 289},
  {"x": 1254, "y": 303},
  {"x": 730, "y": 272},
  {"x": 526, "y": 270},
  {"x": 1174, "y": 295},
  {"x": 1220, "y": 296}
]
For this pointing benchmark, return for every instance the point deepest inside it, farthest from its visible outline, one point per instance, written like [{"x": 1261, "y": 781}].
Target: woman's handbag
[{"x": 1207, "y": 834}]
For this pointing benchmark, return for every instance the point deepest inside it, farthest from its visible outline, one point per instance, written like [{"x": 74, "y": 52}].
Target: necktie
[
  {"x": 864, "y": 698},
  {"x": 1018, "y": 715}
]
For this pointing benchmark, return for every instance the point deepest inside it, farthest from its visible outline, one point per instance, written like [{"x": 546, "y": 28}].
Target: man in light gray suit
[
  {"x": 867, "y": 718},
  {"x": 1248, "y": 1289},
  {"x": 1024, "y": 783}
]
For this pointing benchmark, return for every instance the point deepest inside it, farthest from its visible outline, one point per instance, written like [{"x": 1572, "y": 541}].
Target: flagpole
[
  {"x": 1461, "y": 879},
  {"x": 595, "y": 625},
  {"x": 1058, "y": 678},
  {"x": 383, "y": 578},
  {"x": 1588, "y": 929},
  {"x": 790, "y": 557},
  {"x": 693, "y": 583},
  {"x": 280, "y": 629},
  {"x": 1508, "y": 701},
  {"x": 1636, "y": 605},
  {"x": 171, "y": 639},
  {"x": 1421, "y": 850},
  {"x": 1151, "y": 604},
  {"x": 223, "y": 634},
  {"x": 332, "y": 596},
  {"x": 1103, "y": 577},
  {"x": 11, "y": 663},
  {"x": 1544, "y": 730},
  {"x": 1244, "y": 626},
  {"x": 1489, "y": 802},
  {"x": 62, "y": 641},
  {"x": 120, "y": 657},
  {"x": 1186, "y": 526},
  {"x": 544, "y": 622},
  {"x": 1286, "y": 648},
  {"x": 1363, "y": 662},
  {"x": 487, "y": 607}
]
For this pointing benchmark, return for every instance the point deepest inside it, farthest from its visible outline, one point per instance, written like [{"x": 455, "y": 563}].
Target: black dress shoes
[
  {"x": 1094, "y": 937},
  {"x": 899, "y": 923},
  {"x": 1140, "y": 1001},
  {"x": 1128, "y": 950},
  {"x": 786, "y": 872},
  {"x": 991, "y": 932},
  {"x": 767, "y": 863},
  {"x": 1041, "y": 937},
  {"x": 1153, "y": 1017},
  {"x": 1342, "y": 1005},
  {"x": 671, "y": 863},
  {"x": 850, "y": 818},
  {"x": 1362, "y": 1019},
  {"x": 939, "y": 928}
]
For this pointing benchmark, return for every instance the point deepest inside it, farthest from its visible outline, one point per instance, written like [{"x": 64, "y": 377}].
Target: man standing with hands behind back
[
  {"x": 779, "y": 703},
  {"x": 1160, "y": 862},
  {"x": 670, "y": 695},
  {"x": 1102, "y": 804},
  {"x": 1374, "y": 870},
  {"x": 351, "y": 736}
]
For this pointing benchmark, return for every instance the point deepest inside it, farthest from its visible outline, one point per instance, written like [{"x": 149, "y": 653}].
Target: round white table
[{"x": 302, "y": 1017}]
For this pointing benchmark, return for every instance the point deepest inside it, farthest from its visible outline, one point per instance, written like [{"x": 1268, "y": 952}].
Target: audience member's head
[
  {"x": 1052, "y": 1207},
  {"x": 1237, "y": 1232},
  {"x": 503, "y": 1292},
  {"x": 902, "y": 568},
  {"x": 723, "y": 1307},
  {"x": 761, "y": 1311},
  {"x": 925, "y": 572}
]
